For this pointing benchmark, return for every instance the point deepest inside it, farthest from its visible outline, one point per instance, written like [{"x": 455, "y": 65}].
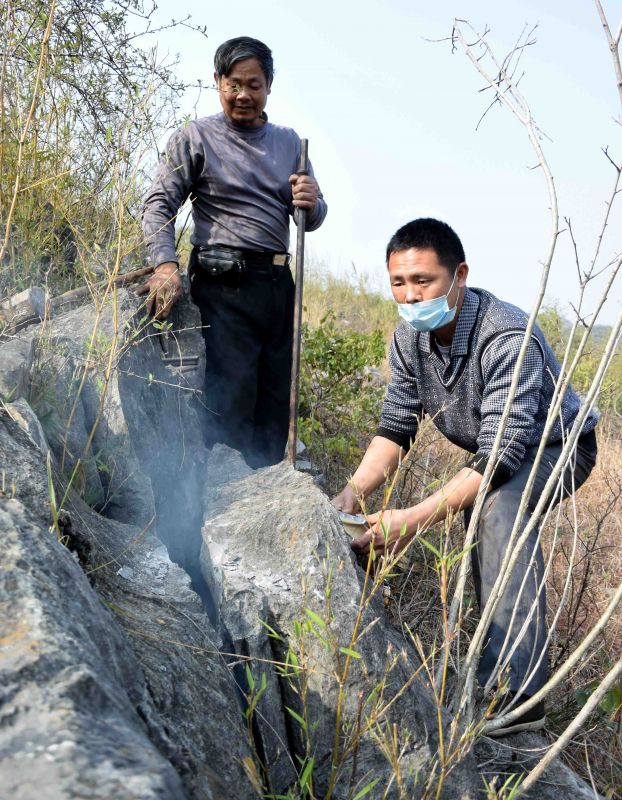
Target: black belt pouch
[
  {"x": 219, "y": 261},
  {"x": 219, "y": 265}
]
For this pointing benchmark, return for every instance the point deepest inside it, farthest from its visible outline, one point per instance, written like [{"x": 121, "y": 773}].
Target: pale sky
[{"x": 391, "y": 121}]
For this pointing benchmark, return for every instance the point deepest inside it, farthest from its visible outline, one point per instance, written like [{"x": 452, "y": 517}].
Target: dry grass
[
  {"x": 598, "y": 567},
  {"x": 354, "y": 305},
  {"x": 596, "y": 572}
]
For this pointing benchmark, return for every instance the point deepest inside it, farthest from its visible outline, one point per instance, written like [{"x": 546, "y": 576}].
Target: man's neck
[{"x": 445, "y": 335}]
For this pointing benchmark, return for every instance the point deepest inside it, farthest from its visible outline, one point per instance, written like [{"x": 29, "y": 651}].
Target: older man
[
  {"x": 453, "y": 357},
  {"x": 239, "y": 171}
]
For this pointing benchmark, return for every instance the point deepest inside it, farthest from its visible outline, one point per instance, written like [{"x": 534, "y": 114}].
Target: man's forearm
[
  {"x": 159, "y": 230},
  {"x": 381, "y": 459},
  {"x": 458, "y": 493},
  {"x": 393, "y": 528}
]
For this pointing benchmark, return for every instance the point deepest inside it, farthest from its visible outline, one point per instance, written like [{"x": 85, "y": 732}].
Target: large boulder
[
  {"x": 124, "y": 426},
  {"x": 70, "y": 717},
  {"x": 288, "y": 591},
  {"x": 278, "y": 562}
]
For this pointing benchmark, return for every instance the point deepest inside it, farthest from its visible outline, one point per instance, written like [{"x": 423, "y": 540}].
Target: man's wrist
[
  {"x": 413, "y": 520},
  {"x": 167, "y": 266},
  {"x": 356, "y": 489}
]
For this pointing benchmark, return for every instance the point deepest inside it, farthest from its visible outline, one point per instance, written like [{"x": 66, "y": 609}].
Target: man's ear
[
  {"x": 462, "y": 273},
  {"x": 269, "y": 88},
  {"x": 216, "y": 79}
]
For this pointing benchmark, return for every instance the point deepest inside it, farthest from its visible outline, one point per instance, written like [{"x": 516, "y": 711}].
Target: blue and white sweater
[{"x": 465, "y": 397}]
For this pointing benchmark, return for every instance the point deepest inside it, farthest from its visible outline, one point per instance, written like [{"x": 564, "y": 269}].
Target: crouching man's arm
[
  {"x": 401, "y": 525},
  {"x": 379, "y": 462},
  {"x": 401, "y": 411}
]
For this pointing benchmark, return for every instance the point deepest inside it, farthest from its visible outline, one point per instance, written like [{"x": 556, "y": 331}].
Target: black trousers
[{"x": 247, "y": 323}]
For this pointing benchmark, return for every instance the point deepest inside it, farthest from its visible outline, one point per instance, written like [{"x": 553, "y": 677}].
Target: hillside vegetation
[{"x": 84, "y": 101}]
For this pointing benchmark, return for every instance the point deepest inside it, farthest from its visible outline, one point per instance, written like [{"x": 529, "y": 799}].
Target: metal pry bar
[{"x": 303, "y": 169}]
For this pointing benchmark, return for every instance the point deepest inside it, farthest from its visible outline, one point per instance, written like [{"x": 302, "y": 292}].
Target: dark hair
[
  {"x": 429, "y": 234},
  {"x": 238, "y": 49}
]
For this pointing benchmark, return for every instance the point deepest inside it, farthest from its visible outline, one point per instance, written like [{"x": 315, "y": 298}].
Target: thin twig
[
  {"x": 613, "y": 46},
  {"x": 576, "y": 724}
]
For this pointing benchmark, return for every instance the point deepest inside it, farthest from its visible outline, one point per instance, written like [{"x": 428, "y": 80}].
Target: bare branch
[
  {"x": 507, "y": 94},
  {"x": 554, "y": 751},
  {"x": 613, "y": 46},
  {"x": 574, "y": 246}
]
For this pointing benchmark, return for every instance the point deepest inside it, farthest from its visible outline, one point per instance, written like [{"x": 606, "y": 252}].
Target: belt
[{"x": 220, "y": 258}]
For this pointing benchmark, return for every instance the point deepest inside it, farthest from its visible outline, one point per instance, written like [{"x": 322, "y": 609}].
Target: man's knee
[{"x": 499, "y": 513}]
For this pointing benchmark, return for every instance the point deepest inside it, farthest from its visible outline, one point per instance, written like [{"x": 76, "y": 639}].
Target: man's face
[
  {"x": 416, "y": 275},
  {"x": 244, "y": 93}
]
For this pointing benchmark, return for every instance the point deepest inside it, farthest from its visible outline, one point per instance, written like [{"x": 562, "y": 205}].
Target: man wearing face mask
[{"x": 452, "y": 358}]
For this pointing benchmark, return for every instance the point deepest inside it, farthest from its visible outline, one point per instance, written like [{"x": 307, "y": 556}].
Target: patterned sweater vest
[{"x": 456, "y": 408}]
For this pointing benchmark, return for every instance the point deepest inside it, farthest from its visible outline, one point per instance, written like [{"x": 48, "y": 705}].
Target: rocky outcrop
[
  {"x": 153, "y": 641},
  {"x": 72, "y": 696},
  {"x": 151, "y": 644},
  {"x": 278, "y": 562},
  {"x": 144, "y": 441},
  {"x": 274, "y": 553}
]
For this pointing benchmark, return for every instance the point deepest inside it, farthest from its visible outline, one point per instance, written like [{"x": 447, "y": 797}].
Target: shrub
[{"x": 340, "y": 393}]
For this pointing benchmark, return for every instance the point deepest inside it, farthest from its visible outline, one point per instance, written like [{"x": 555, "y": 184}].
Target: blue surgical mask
[{"x": 428, "y": 315}]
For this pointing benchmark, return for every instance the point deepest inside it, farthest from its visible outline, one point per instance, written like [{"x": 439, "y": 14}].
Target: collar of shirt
[
  {"x": 242, "y": 131},
  {"x": 460, "y": 342}
]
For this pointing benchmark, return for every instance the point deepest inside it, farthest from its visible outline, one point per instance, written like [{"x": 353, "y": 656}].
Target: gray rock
[
  {"x": 274, "y": 551},
  {"x": 17, "y": 357},
  {"x": 23, "y": 308},
  {"x": 194, "y": 694},
  {"x": 519, "y": 753},
  {"x": 69, "y": 716},
  {"x": 54, "y": 396},
  {"x": 146, "y": 456},
  {"x": 178, "y": 684},
  {"x": 28, "y": 421},
  {"x": 33, "y": 299},
  {"x": 23, "y": 472},
  {"x": 161, "y": 407}
]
